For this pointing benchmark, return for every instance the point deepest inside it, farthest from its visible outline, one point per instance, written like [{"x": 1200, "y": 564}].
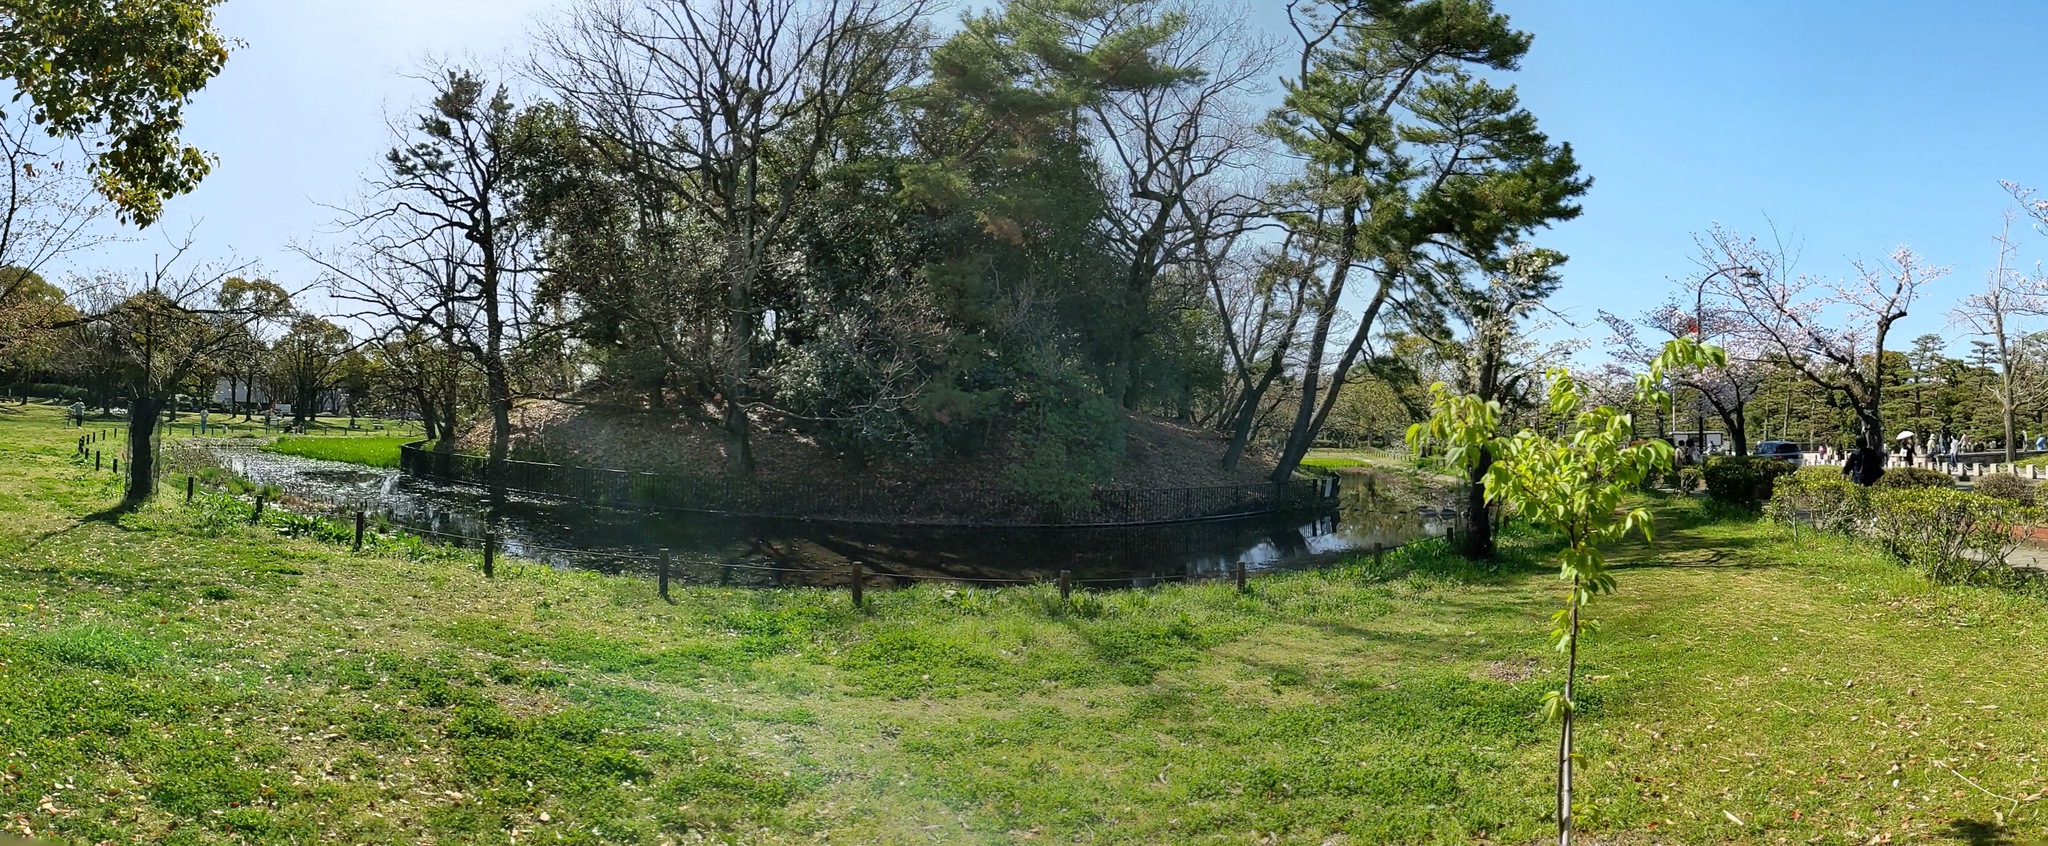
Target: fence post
[
  {"x": 117, "y": 465},
  {"x": 859, "y": 577},
  {"x": 258, "y": 516},
  {"x": 664, "y": 577},
  {"x": 1379, "y": 554},
  {"x": 359, "y": 531},
  {"x": 96, "y": 461},
  {"x": 1238, "y": 570},
  {"x": 190, "y": 484},
  {"x": 1066, "y": 583},
  {"x": 490, "y": 554}
]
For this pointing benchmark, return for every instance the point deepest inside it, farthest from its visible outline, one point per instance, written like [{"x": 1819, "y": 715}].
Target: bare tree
[
  {"x": 719, "y": 110},
  {"x": 47, "y": 213},
  {"x": 2008, "y": 298},
  {"x": 440, "y": 249},
  {"x": 163, "y": 329},
  {"x": 1831, "y": 333},
  {"x": 1726, "y": 390},
  {"x": 1164, "y": 151},
  {"x": 1260, "y": 303}
]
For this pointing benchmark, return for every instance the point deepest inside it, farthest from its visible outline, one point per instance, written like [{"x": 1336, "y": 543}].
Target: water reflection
[{"x": 1371, "y": 509}]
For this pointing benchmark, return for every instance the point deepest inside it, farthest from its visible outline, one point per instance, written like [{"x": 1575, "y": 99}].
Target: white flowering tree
[{"x": 1832, "y": 333}]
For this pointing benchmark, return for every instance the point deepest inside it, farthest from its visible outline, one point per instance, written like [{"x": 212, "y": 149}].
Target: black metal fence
[{"x": 863, "y": 501}]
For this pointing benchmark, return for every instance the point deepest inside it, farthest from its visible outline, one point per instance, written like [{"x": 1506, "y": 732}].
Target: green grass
[
  {"x": 1333, "y": 462},
  {"x": 174, "y": 674},
  {"x": 372, "y": 451}
]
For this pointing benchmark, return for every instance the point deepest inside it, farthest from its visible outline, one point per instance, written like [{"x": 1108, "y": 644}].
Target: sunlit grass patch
[{"x": 365, "y": 450}]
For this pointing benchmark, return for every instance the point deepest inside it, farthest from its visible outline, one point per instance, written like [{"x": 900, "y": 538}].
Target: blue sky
[{"x": 1855, "y": 126}]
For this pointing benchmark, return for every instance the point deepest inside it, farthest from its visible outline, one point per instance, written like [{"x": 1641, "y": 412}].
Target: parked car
[{"x": 1785, "y": 451}]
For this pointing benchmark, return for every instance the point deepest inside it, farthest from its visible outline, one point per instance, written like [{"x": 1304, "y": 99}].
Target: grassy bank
[
  {"x": 173, "y": 674},
  {"x": 358, "y": 449}
]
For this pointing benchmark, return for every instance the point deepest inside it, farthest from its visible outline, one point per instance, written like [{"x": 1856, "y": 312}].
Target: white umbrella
[{"x": 1904, "y": 435}]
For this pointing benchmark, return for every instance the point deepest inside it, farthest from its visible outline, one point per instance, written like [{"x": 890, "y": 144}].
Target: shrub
[
  {"x": 1743, "y": 481},
  {"x": 1914, "y": 477},
  {"x": 1955, "y": 536},
  {"x": 2008, "y": 487},
  {"x": 1827, "y": 499},
  {"x": 1690, "y": 479}
]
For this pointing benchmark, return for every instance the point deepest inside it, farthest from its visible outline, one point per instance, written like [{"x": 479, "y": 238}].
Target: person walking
[{"x": 1865, "y": 465}]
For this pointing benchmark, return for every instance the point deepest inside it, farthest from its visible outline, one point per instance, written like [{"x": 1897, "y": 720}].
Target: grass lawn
[
  {"x": 372, "y": 451},
  {"x": 175, "y": 675},
  {"x": 1333, "y": 459}
]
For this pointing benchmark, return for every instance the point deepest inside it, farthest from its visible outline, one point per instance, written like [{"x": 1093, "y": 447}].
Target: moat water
[{"x": 1372, "y": 508}]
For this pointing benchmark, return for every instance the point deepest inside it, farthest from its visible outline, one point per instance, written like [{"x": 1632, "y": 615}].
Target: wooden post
[
  {"x": 96, "y": 461},
  {"x": 859, "y": 577},
  {"x": 664, "y": 578},
  {"x": 1237, "y": 569},
  {"x": 1066, "y": 583},
  {"x": 117, "y": 465},
  {"x": 490, "y": 554},
  {"x": 258, "y": 516},
  {"x": 191, "y": 483},
  {"x": 359, "y": 531},
  {"x": 1379, "y": 554}
]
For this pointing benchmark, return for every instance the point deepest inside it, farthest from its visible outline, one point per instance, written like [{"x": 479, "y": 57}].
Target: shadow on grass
[
  {"x": 112, "y": 516},
  {"x": 1980, "y": 833},
  {"x": 1718, "y": 553}
]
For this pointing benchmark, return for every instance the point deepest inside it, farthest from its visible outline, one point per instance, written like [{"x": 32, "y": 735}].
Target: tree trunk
[
  {"x": 428, "y": 421},
  {"x": 1479, "y": 529},
  {"x": 1564, "y": 739},
  {"x": 2008, "y": 412},
  {"x": 143, "y": 413},
  {"x": 1299, "y": 442},
  {"x": 1738, "y": 427},
  {"x": 1248, "y": 414},
  {"x": 499, "y": 384},
  {"x": 1299, "y": 435}
]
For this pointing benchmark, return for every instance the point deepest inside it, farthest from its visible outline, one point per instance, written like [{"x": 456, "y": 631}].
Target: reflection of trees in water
[{"x": 1372, "y": 507}]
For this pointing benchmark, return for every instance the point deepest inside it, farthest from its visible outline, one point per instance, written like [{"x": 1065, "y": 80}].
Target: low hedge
[
  {"x": 1823, "y": 497},
  {"x": 1743, "y": 480},
  {"x": 1953, "y": 535},
  {"x": 1915, "y": 477},
  {"x": 2008, "y": 487},
  {"x": 1690, "y": 479},
  {"x": 49, "y": 390}
]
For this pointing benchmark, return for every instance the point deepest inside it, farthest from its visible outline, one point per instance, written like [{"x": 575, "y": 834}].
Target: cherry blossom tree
[
  {"x": 1996, "y": 313},
  {"x": 1726, "y": 390},
  {"x": 1831, "y": 333}
]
